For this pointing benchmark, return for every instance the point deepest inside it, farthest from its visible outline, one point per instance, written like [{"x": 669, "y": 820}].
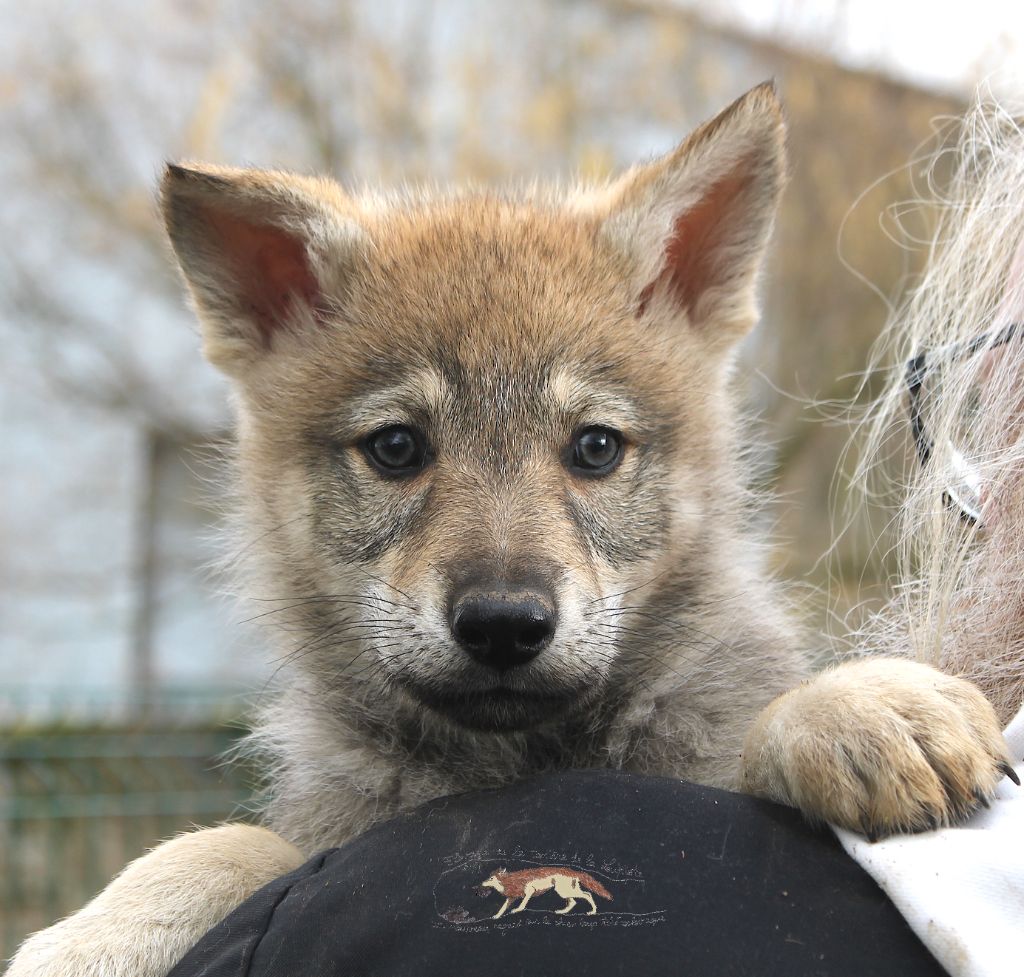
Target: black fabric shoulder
[{"x": 583, "y": 872}]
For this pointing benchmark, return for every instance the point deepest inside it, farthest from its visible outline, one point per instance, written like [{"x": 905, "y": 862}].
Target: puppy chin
[{"x": 500, "y": 710}]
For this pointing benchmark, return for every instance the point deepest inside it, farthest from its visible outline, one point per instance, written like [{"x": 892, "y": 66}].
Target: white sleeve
[{"x": 961, "y": 889}]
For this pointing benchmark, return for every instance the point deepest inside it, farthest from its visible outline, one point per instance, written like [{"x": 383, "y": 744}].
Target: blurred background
[{"x": 125, "y": 671}]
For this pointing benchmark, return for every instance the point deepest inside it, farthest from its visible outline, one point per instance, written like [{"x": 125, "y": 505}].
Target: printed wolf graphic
[
  {"x": 492, "y": 502},
  {"x": 568, "y": 883}
]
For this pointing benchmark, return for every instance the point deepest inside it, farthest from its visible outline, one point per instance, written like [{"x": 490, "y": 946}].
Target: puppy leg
[
  {"x": 159, "y": 906},
  {"x": 878, "y": 746}
]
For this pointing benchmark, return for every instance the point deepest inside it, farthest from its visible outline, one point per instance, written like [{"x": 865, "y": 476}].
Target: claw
[
  {"x": 1009, "y": 772},
  {"x": 980, "y": 797}
]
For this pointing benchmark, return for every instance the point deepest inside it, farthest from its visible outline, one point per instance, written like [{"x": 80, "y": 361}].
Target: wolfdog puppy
[{"x": 487, "y": 463}]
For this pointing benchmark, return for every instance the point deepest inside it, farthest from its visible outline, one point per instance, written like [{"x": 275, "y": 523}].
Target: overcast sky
[{"x": 941, "y": 44}]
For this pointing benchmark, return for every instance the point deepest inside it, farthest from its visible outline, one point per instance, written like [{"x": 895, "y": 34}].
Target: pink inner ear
[
  {"x": 270, "y": 269},
  {"x": 697, "y": 252}
]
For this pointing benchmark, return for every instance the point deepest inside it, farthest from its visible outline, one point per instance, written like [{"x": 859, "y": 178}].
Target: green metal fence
[{"x": 76, "y": 804}]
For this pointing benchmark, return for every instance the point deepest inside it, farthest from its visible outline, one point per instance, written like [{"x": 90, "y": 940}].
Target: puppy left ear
[
  {"x": 266, "y": 255},
  {"x": 697, "y": 221}
]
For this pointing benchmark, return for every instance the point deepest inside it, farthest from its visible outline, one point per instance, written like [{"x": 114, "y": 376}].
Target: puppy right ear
[
  {"x": 697, "y": 221},
  {"x": 266, "y": 255}
]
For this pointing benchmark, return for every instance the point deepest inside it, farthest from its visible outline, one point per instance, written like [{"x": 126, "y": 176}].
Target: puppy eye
[
  {"x": 595, "y": 451},
  {"x": 396, "y": 450}
]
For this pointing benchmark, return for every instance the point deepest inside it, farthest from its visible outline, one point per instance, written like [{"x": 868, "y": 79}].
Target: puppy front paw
[
  {"x": 78, "y": 947},
  {"x": 878, "y": 746},
  {"x": 159, "y": 906}
]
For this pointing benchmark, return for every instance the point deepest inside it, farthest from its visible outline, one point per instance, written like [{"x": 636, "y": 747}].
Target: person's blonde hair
[{"x": 957, "y": 373}]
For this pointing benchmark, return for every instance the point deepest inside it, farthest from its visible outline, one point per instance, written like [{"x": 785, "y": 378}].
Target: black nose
[{"x": 501, "y": 628}]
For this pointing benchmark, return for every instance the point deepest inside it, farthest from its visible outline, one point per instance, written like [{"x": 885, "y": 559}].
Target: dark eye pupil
[
  {"x": 597, "y": 448},
  {"x": 395, "y": 448}
]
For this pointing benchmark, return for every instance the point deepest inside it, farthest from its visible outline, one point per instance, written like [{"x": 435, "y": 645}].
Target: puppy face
[{"x": 472, "y": 426}]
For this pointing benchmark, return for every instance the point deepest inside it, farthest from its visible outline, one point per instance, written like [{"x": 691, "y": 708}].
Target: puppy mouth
[{"x": 499, "y": 709}]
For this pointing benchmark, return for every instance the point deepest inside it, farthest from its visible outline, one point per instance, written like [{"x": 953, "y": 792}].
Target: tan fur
[
  {"x": 915, "y": 748},
  {"x": 499, "y": 325},
  {"x": 159, "y": 906}
]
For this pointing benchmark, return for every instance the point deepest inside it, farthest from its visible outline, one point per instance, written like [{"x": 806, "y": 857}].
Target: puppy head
[{"x": 474, "y": 428}]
